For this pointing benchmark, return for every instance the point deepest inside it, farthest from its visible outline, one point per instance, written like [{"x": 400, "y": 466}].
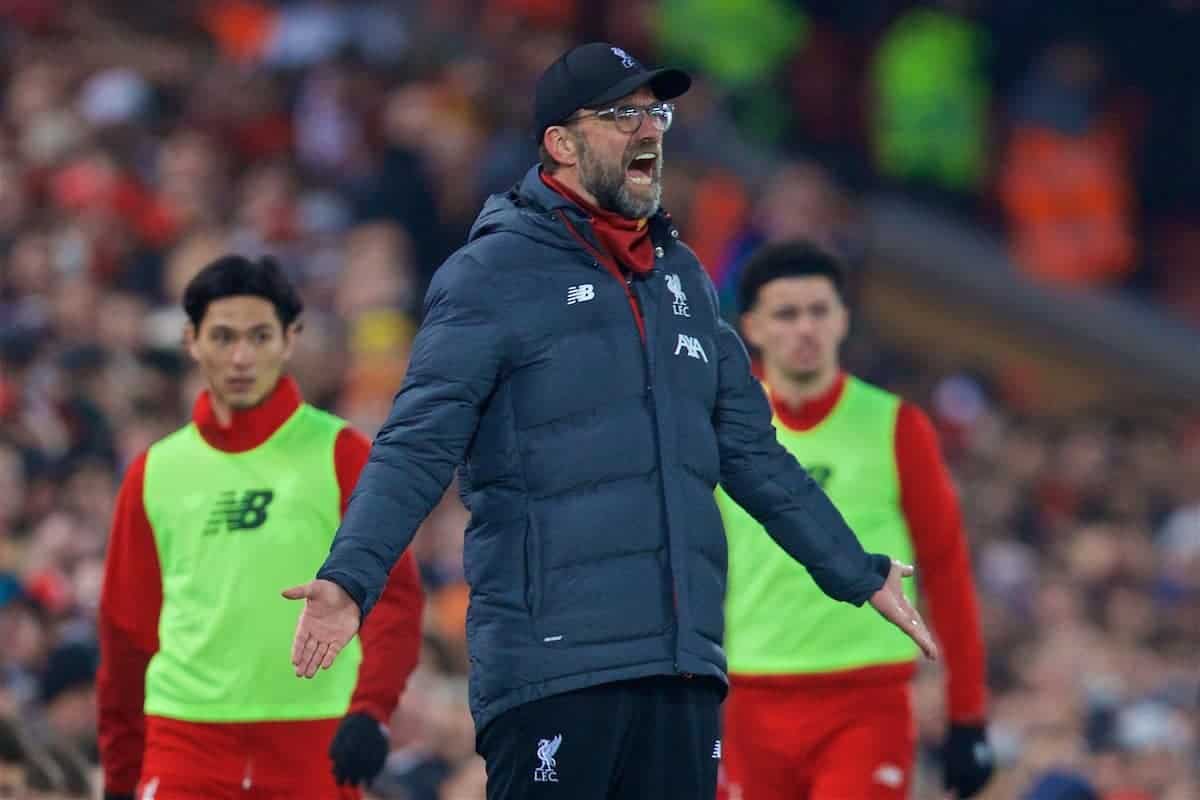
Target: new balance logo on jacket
[{"x": 580, "y": 294}]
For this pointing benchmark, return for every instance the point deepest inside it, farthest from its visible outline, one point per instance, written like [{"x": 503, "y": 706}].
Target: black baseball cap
[{"x": 590, "y": 75}]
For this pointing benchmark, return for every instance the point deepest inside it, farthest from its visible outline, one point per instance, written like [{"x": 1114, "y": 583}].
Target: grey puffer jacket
[{"x": 588, "y": 456}]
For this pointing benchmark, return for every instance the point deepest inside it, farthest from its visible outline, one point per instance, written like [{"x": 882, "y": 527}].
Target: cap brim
[{"x": 666, "y": 83}]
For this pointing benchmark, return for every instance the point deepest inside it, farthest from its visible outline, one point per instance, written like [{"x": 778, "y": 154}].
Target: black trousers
[{"x": 647, "y": 739}]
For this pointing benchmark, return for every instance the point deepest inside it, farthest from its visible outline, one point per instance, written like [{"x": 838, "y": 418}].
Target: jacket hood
[{"x": 529, "y": 209}]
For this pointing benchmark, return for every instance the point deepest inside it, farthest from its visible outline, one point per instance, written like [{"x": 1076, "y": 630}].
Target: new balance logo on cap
[
  {"x": 233, "y": 513},
  {"x": 627, "y": 61},
  {"x": 580, "y": 294}
]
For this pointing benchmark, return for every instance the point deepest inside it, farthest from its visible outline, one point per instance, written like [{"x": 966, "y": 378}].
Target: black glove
[
  {"x": 358, "y": 750},
  {"x": 111, "y": 796},
  {"x": 967, "y": 760}
]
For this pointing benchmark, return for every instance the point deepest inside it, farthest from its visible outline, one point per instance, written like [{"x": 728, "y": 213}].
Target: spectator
[
  {"x": 68, "y": 697},
  {"x": 930, "y": 109},
  {"x": 800, "y": 201},
  {"x": 1065, "y": 182}
]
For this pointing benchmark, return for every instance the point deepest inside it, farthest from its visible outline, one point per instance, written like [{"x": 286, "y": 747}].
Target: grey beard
[{"x": 606, "y": 183}]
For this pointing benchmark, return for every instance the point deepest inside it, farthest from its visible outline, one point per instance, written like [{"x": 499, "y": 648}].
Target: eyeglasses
[{"x": 628, "y": 119}]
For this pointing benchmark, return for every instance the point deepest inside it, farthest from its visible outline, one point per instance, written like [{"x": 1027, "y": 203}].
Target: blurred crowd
[
  {"x": 1086, "y": 547},
  {"x": 355, "y": 140}
]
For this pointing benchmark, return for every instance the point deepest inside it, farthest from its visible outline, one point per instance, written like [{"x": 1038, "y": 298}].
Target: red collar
[
  {"x": 810, "y": 413},
  {"x": 249, "y": 427},
  {"x": 627, "y": 240}
]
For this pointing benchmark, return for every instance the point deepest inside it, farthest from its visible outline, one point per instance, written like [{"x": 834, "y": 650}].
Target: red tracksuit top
[{"x": 132, "y": 595}]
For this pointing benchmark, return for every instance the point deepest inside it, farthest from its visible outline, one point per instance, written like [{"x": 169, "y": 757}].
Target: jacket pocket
[{"x": 609, "y": 600}]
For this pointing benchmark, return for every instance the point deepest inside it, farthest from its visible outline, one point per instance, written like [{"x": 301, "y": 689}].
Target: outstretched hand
[
  {"x": 892, "y": 604},
  {"x": 328, "y": 622}
]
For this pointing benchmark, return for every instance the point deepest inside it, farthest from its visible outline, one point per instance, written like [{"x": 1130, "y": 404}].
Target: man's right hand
[
  {"x": 892, "y": 604},
  {"x": 327, "y": 624}
]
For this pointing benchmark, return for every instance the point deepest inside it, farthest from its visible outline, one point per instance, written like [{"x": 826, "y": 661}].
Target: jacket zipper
[
  {"x": 611, "y": 266},
  {"x": 662, "y": 494},
  {"x": 627, "y": 281}
]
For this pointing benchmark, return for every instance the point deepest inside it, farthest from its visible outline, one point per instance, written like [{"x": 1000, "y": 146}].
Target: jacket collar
[
  {"x": 532, "y": 209},
  {"x": 534, "y": 191}
]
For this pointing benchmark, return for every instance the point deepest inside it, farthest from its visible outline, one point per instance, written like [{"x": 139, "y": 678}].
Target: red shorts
[
  {"x": 786, "y": 743},
  {"x": 239, "y": 761}
]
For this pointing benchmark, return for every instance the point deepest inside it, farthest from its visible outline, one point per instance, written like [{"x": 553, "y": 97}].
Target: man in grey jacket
[{"x": 572, "y": 364}]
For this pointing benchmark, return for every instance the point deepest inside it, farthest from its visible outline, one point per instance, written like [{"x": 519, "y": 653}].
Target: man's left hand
[
  {"x": 892, "y": 604},
  {"x": 359, "y": 749},
  {"x": 328, "y": 622},
  {"x": 967, "y": 760}
]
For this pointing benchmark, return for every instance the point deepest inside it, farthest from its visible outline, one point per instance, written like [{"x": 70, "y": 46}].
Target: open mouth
[{"x": 641, "y": 169}]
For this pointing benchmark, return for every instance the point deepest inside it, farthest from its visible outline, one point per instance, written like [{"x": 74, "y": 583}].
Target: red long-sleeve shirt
[
  {"x": 132, "y": 595},
  {"x": 930, "y": 505}
]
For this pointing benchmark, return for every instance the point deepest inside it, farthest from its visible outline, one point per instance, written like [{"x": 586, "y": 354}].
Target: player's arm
[
  {"x": 767, "y": 481},
  {"x": 130, "y": 602},
  {"x": 456, "y": 359},
  {"x": 930, "y": 504},
  {"x": 931, "y": 508}
]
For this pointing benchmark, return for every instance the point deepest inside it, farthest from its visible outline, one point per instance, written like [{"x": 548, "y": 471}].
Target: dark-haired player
[
  {"x": 195, "y": 698},
  {"x": 819, "y": 705}
]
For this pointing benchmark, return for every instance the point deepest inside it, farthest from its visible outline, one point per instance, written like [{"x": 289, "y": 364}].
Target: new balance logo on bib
[{"x": 234, "y": 513}]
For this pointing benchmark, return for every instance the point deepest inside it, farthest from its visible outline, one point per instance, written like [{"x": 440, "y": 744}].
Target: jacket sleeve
[
  {"x": 391, "y": 638},
  {"x": 130, "y": 602},
  {"x": 455, "y": 362},
  {"x": 767, "y": 481},
  {"x": 930, "y": 505}
]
